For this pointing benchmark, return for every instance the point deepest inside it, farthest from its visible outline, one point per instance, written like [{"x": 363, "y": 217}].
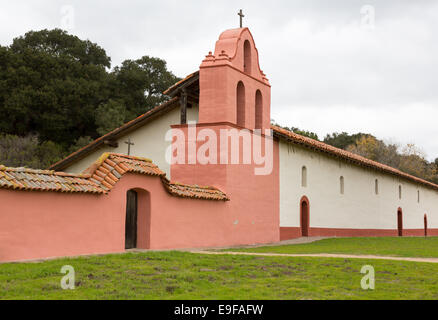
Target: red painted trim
[
  {"x": 295, "y": 232},
  {"x": 304, "y": 199},
  {"x": 287, "y": 233}
]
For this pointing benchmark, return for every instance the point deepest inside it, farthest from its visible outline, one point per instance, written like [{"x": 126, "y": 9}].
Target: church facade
[{"x": 178, "y": 188}]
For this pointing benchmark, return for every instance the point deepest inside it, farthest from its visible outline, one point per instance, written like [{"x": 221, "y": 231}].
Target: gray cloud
[{"x": 328, "y": 73}]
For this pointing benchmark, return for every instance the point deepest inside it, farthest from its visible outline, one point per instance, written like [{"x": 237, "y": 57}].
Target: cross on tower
[
  {"x": 241, "y": 15},
  {"x": 129, "y": 143}
]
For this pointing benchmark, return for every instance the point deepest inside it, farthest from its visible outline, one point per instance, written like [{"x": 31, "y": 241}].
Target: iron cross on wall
[{"x": 129, "y": 143}]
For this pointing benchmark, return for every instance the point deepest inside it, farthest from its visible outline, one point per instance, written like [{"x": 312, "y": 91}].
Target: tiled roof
[
  {"x": 110, "y": 167},
  {"x": 179, "y": 83},
  {"x": 100, "y": 178},
  {"x": 194, "y": 191},
  {"x": 345, "y": 155},
  {"x": 45, "y": 180}
]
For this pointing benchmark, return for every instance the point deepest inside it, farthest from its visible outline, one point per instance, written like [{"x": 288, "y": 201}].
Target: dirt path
[{"x": 321, "y": 255}]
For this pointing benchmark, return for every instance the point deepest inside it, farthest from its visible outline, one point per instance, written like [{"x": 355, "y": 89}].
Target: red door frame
[
  {"x": 400, "y": 222},
  {"x": 304, "y": 216}
]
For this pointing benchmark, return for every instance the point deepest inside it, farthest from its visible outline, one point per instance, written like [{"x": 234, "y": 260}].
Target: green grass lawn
[
  {"x": 182, "y": 275},
  {"x": 391, "y": 246}
]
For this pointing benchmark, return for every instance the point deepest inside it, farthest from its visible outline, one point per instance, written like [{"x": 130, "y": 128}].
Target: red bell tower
[
  {"x": 233, "y": 89},
  {"x": 224, "y": 150}
]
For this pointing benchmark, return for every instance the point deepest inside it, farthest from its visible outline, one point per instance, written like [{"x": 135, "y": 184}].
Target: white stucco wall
[
  {"x": 359, "y": 207},
  {"x": 149, "y": 141}
]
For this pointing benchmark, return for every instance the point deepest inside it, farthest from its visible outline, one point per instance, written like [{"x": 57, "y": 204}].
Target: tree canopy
[
  {"x": 140, "y": 83},
  {"x": 52, "y": 85},
  {"x": 343, "y": 140},
  {"x": 57, "y": 87}
]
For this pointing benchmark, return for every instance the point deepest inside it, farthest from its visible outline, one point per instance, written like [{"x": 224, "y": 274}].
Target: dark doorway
[
  {"x": 425, "y": 225},
  {"x": 131, "y": 220},
  {"x": 400, "y": 222},
  {"x": 304, "y": 212}
]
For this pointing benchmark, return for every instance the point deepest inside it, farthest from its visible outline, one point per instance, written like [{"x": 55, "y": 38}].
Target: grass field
[
  {"x": 182, "y": 275},
  {"x": 391, "y": 246}
]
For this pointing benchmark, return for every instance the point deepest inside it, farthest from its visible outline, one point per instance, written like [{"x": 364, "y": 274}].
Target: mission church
[{"x": 121, "y": 191}]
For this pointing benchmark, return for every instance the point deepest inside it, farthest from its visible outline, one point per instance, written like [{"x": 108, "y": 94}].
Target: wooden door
[
  {"x": 304, "y": 218},
  {"x": 131, "y": 220},
  {"x": 400, "y": 222},
  {"x": 425, "y": 225}
]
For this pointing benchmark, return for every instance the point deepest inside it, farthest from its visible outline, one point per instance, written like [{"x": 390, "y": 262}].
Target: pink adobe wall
[
  {"x": 144, "y": 215},
  {"x": 49, "y": 224},
  {"x": 253, "y": 209}
]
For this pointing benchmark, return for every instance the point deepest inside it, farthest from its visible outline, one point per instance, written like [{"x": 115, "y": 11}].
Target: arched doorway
[
  {"x": 425, "y": 225},
  {"x": 400, "y": 222},
  {"x": 304, "y": 216},
  {"x": 131, "y": 219}
]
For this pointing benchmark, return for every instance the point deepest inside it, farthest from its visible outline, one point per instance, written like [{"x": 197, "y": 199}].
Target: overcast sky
[{"x": 368, "y": 66}]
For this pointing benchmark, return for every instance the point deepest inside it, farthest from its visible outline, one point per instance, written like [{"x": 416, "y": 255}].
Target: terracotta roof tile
[
  {"x": 168, "y": 90},
  {"x": 193, "y": 191},
  {"x": 100, "y": 178},
  {"x": 45, "y": 180},
  {"x": 348, "y": 156}
]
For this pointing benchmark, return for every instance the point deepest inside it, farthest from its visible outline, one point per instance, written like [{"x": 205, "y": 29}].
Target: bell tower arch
[{"x": 233, "y": 88}]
